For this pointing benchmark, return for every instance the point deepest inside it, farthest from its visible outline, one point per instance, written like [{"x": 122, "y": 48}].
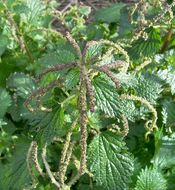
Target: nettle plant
[
  {"x": 82, "y": 110},
  {"x": 82, "y": 95}
]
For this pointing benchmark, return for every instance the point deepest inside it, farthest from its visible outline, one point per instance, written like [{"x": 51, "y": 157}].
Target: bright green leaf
[
  {"x": 169, "y": 76},
  {"x": 168, "y": 112},
  {"x": 35, "y": 10},
  {"x": 150, "y": 179},
  {"x": 85, "y": 10},
  {"x": 149, "y": 87},
  {"x": 110, "y": 162},
  {"x": 108, "y": 100},
  {"x": 165, "y": 152}
]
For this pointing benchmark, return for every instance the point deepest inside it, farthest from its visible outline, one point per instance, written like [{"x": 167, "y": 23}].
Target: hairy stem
[
  {"x": 89, "y": 89},
  {"x": 144, "y": 64},
  {"x": 47, "y": 167},
  {"x": 18, "y": 36},
  {"x": 34, "y": 154},
  {"x": 66, "y": 154},
  {"x": 29, "y": 164}
]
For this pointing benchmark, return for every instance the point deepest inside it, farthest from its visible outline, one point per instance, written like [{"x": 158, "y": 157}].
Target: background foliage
[{"x": 129, "y": 73}]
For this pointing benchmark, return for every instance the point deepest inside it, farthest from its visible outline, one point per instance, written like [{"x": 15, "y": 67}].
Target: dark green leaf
[
  {"x": 15, "y": 175},
  {"x": 109, "y": 14},
  {"x": 148, "y": 47},
  {"x": 24, "y": 85},
  {"x": 5, "y": 101},
  {"x": 109, "y": 102},
  {"x": 4, "y": 41},
  {"x": 47, "y": 125}
]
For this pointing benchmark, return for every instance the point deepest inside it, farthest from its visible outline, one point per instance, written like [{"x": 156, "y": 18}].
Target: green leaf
[
  {"x": 5, "y": 101},
  {"x": 165, "y": 152},
  {"x": 109, "y": 102},
  {"x": 15, "y": 175},
  {"x": 109, "y": 161},
  {"x": 169, "y": 76},
  {"x": 36, "y": 8},
  {"x": 127, "y": 80},
  {"x": 72, "y": 79},
  {"x": 109, "y": 14},
  {"x": 148, "y": 47},
  {"x": 4, "y": 41},
  {"x": 168, "y": 112},
  {"x": 150, "y": 179},
  {"x": 85, "y": 10},
  {"x": 149, "y": 86},
  {"x": 24, "y": 85},
  {"x": 47, "y": 125},
  {"x": 93, "y": 51},
  {"x": 57, "y": 57},
  {"x": 125, "y": 26}
]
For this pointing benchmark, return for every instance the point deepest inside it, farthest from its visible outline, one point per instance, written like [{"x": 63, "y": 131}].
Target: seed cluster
[{"x": 142, "y": 23}]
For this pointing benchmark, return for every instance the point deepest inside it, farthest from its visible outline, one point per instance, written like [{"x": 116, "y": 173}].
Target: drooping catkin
[
  {"x": 66, "y": 154},
  {"x": 63, "y": 167},
  {"x": 55, "y": 68},
  {"x": 89, "y": 89},
  {"x": 34, "y": 155},
  {"x": 108, "y": 73},
  {"x": 165, "y": 8},
  {"x": 83, "y": 122},
  {"x": 116, "y": 64},
  {"x": 38, "y": 93},
  {"x": 119, "y": 49},
  {"x": 74, "y": 44},
  {"x": 125, "y": 125},
  {"x": 153, "y": 121},
  {"x": 16, "y": 33},
  {"x": 29, "y": 164}
]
